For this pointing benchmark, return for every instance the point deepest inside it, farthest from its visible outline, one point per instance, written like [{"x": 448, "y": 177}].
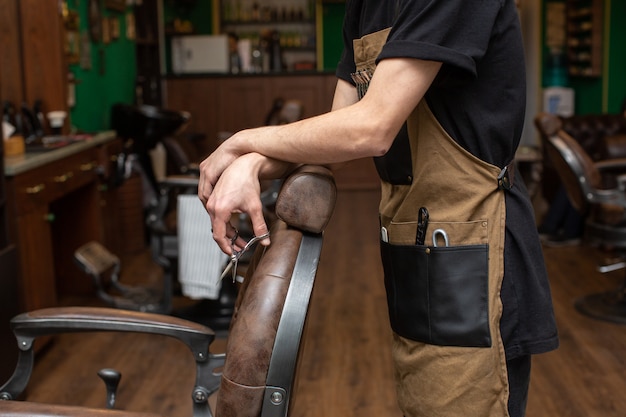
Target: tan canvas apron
[{"x": 462, "y": 196}]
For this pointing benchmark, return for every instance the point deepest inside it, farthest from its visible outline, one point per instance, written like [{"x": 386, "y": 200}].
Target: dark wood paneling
[
  {"x": 198, "y": 96},
  {"x": 242, "y": 103},
  {"x": 229, "y": 104},
  {"x": 10, "y": 54},
  {"x": 44, "y": 66}
]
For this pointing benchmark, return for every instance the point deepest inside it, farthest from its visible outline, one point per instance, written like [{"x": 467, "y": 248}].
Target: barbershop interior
[{"x": 115, "y": 299}]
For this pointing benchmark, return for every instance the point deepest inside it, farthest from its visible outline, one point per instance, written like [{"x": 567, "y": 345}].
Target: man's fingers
[
  {"x": 259, "y": 226},
  {"x": 221, "y": 234},
  {"x": 204, "y": 192}
]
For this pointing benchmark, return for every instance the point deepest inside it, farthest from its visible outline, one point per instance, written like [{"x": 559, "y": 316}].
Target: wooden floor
[{"x": 345, "y": 365}]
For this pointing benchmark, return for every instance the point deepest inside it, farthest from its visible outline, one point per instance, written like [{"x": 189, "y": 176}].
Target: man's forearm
[{"x": 362, "y": 129}]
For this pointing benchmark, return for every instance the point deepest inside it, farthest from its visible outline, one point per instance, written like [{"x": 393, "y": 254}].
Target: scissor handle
[{"x": 443, "y": 234}]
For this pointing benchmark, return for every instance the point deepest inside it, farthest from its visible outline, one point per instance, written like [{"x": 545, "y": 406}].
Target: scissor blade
[{"x": 229, "y": 266}]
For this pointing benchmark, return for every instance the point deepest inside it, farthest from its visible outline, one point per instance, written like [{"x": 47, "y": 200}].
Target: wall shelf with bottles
[
  {"x": 289, "y": 26},
  {"x": 584, "y": 37}
]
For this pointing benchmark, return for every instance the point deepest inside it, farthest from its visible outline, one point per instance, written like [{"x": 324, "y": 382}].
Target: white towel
[{"x": 200, "y": 260}]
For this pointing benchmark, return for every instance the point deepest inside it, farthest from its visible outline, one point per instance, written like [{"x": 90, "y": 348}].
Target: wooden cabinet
[{"x": 54, "y": 203}]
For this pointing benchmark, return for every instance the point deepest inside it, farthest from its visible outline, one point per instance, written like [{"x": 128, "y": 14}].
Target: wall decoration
[
  {"x": 114, "y": 22},
  {"x": 130, "y": 27},
  {"x": 95, "y": 21},
  {"x": 72, "y": 41},
  {"x": 106, "y": 30}
]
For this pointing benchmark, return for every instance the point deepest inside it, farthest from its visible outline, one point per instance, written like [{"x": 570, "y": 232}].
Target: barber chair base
[{"x": 608, "y": 306}]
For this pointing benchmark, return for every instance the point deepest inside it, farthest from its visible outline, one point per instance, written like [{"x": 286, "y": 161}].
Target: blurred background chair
[
  {"x": 598, "y": 135},
  {"x": 260, "y": 362},
  {"x": 597, "y": 189}
]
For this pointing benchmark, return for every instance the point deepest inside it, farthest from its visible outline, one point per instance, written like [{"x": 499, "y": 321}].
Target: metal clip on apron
[{"x": 439, "y": 379}]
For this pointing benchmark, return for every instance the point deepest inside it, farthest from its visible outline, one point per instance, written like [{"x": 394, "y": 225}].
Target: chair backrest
[
  {"x": 574, "y": 166},
  {"x": 284, "y": 111},
  {"x": 267, "y": 326}
]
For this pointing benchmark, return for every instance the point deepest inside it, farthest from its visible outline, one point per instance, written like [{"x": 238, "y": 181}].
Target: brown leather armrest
[{"x": 307, "y": 198}]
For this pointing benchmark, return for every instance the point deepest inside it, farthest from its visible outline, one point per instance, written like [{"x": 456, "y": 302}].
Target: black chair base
[{"x": 607, "y": 306}]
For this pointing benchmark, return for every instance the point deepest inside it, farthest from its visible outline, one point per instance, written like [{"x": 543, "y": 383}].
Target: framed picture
[{"x": 117, "y": 5}]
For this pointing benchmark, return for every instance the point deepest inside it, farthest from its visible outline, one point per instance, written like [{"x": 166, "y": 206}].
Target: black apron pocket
[{"x": 438, "y": 295}]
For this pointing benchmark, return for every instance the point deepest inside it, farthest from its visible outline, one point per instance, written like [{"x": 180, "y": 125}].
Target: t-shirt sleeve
[{"x": 454, "y": 32}]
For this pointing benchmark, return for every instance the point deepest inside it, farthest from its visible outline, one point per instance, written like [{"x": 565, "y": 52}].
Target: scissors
[{"x": 234, "y": 258}]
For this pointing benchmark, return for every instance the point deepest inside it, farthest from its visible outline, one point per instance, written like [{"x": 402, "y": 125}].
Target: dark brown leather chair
[
  {"x": 596, "y": 134},
  {"x": 604, "y": 207},
  {"x": 263, "y": 343}
]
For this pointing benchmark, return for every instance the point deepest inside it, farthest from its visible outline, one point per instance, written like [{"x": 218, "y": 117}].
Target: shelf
[
  {"x": 295, "y": 25},
  {"x": 267, "y": 22},
  {"x": 584, "y": 37}
]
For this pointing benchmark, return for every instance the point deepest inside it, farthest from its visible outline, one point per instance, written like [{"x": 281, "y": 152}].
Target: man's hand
[
  {"x": 212, "y": 168},
  {"x": 238, "y": 190}
]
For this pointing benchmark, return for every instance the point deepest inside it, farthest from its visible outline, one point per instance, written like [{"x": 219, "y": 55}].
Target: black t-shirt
[{"x": 479, "y": 98}]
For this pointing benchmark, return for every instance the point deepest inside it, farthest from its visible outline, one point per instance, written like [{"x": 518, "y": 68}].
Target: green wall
[
  {"x": 111, "y": 78},
  {"x": 332, "y": 23},
  {"x": 604, "y": 94}
]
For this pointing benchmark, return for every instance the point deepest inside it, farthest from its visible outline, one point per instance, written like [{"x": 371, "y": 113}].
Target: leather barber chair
[
  {"x": 597, "y": 189},
  {"x": 259, "y": 365},
  {"x": 596, "y": 135}
]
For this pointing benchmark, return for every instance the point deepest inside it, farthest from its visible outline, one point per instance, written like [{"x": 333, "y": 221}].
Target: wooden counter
[{"x": 54, "y": 202}]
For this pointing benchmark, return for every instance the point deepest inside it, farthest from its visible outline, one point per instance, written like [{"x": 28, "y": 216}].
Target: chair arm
[
  {"x": 49, "y": 321},
  {"x": 193, "y": 168},
  {"x": 611, "y": 164},
  {"x": 617, "y": 168},
  {"x": 28, "y": 326},
  {"x": 179, "y": 181}
]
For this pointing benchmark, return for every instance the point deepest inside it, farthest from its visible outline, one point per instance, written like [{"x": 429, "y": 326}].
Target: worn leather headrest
[{"x": 307, "y": 198}]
